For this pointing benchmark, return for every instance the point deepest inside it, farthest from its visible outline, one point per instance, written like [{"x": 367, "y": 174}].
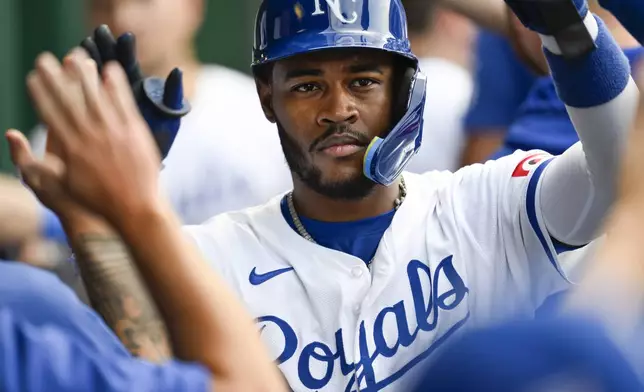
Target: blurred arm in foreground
[{"x": 98, "y": 126}]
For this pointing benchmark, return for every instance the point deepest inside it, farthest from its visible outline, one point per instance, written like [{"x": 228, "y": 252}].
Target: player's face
[
  {"x": 163, "y": 28},
  {"x": 328, "y": 107}
]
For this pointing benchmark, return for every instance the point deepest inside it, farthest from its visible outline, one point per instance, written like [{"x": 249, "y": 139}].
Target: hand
[
  {"x": 527, "y": 45},
  {"x": 563, "y": 20},
  {"x": 537, "y": 15},
  {"x": 108, "y": 160},
  {"x": 161, "y": 103}
]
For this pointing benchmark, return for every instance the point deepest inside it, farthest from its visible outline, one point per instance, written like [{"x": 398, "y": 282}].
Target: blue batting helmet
[{"x": 286, "y": 28}]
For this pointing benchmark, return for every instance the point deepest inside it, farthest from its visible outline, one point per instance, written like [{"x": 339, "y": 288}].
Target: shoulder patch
[{"x": 529, "y": 163}]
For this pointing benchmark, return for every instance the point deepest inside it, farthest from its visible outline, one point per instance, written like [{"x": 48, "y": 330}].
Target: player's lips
[{"x": 339, "y": 146}]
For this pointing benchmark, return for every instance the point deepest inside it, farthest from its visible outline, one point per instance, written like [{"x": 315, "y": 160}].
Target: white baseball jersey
[
  {"x": 227, "y": 156},
  {"x": 464, "y": 249}
]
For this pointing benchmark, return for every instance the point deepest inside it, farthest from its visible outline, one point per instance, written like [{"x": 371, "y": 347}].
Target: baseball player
[
  {"x": 377, "y": 269},
  {"x": 542, "y": 121},
  {"x": 364, "y": 270},
  {"x": 523, "y": 111}
]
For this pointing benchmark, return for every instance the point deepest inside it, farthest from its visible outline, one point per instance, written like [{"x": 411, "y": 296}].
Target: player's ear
[{"x": 265, "y": 93}]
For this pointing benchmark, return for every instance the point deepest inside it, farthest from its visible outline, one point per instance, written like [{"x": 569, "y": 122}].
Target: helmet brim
[{"x": 316, "y": 41}]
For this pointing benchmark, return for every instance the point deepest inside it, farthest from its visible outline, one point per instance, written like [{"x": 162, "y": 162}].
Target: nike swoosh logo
[{"x": 256, "y": 279}]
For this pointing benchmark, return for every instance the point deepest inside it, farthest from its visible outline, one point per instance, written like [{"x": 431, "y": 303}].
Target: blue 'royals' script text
[{"x": 427, "y": 307}]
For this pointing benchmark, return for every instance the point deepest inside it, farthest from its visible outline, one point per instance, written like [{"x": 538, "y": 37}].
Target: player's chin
[{"x": 341, "y": 169}]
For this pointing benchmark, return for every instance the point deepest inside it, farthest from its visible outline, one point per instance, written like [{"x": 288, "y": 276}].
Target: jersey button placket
[{"x": 359, "y": 272}]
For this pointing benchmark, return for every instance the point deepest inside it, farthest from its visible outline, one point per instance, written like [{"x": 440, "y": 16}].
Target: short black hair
[
  {"x": 420, "y": 14},
  {"x": 263, "y": 72}
]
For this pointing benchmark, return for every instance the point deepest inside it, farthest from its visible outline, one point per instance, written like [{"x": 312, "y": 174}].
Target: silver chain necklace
[{"x": 305, "y": 234}]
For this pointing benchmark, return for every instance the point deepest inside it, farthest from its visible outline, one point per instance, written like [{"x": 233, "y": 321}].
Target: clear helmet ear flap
[{"x": 386, "y": 158}]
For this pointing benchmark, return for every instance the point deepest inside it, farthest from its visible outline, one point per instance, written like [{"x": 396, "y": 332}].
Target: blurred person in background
[
  {"x": 521, "y": 109},
  {"x": 501, "y": 84},
  {"x": 442, "y": 40},
  {"x": 226, "y": 155}
]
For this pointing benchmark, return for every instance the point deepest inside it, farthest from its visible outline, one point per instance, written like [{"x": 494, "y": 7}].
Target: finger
[
  {"x": 120, "y": 92},
  {"x": 19, "y": 148},
  {"x": 106, "y": 43},
  {"x": 86, "y": 70},
  {"x": 37, "y": 175},
  {"x": 54, "y": 145},
  {"x": 126, "y": 54},
  {"x": 173, "y": 91},
  {"x": 62, "y": 86},
  {"x": 74, "y": 90},
  {"x": 92, "y": 50},
  {"x": 49, "y": 111}
]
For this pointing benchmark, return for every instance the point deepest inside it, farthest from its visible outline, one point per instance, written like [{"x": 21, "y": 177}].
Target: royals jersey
[{"x": 464, "y": 249}]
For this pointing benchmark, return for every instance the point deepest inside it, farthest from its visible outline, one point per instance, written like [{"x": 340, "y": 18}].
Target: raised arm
[
  {"x": 113, "y": 283},
  {"x": 117, "y": 292},
  {"x": 109, "y": 164},
  {"x": 592, "y": 76}
]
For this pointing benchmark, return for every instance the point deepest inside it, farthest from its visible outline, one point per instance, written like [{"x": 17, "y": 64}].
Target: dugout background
[{"x": 28, "y": 27}]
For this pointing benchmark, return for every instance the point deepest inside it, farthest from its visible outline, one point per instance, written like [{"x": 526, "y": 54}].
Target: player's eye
[
  {"x": 363, "y": 82},
  {"x": 305, "y": 88}
]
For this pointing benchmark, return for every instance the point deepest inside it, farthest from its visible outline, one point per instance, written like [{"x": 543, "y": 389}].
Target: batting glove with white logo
[{"x": 161, "y": 102}]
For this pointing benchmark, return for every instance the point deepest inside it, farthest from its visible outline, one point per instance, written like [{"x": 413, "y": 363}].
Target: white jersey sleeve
[
  {"x": 464, "y": 250},
  {"x": 497, "y": 205}
]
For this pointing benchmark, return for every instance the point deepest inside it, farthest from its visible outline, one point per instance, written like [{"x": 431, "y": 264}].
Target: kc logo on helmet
[
  {"x": 529, "y": 163},
  {"x": 334, "y": 6}
]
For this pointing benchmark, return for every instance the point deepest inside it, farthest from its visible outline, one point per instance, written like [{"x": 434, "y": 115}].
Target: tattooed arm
[{"x": 117, "y": 293}]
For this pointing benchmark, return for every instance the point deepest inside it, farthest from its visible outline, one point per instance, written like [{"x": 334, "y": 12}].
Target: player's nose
[{"x": 337, "y": 107}]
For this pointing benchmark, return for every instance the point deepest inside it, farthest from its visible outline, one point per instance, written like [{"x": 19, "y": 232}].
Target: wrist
[
  {"x": 137, "y": 218},
  {"x": 80, "y": 222},
  {"x": 552, "y": 44}
]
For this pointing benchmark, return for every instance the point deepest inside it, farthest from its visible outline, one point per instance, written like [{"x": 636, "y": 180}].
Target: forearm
[
  {"x": 18, "y": 211},
  {"x": 613, "y": 288},
  {"x": 600, "y": 96},
  {"x": 116, "y": 291},
  {"x": 205, "y": 320},
  {"x": 490, "y": 14}
]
